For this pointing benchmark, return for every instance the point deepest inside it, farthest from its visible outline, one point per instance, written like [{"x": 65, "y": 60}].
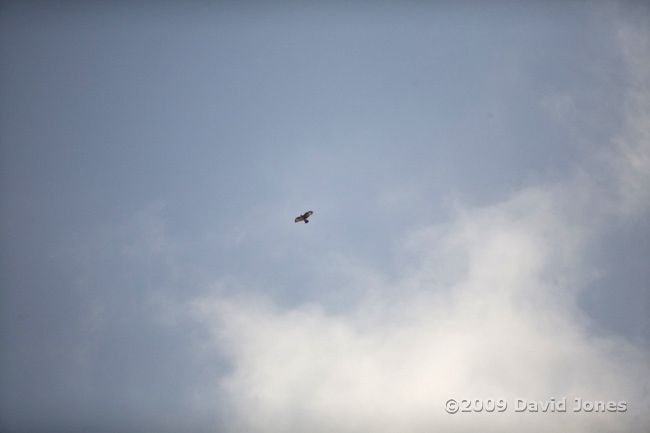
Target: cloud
[
  {"x": 633, "y": 160},
  {"x": 484, "y": 307},
  {"x": 489, "y": 312}
]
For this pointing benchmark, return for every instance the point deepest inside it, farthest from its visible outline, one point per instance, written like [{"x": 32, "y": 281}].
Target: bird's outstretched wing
[{"x": 304, "y": 216}]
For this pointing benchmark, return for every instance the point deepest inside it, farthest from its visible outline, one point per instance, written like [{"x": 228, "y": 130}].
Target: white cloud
[
  {"x": 501, "y": 323},
  {"x": 486, "y": 308},
  {"x": 630, "y": 157}
]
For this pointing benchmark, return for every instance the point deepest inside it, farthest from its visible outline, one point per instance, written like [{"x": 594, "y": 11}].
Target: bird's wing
[{"x": 300, "y": 218}]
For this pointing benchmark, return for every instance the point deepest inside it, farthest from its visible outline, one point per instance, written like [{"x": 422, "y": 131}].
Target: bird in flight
[{"x": 304, "y": 217}]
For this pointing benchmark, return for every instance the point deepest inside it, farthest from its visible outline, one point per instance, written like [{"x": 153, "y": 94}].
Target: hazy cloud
[
  {"x": 480, "y": 177},
  {"x": 489, "y": 311}
]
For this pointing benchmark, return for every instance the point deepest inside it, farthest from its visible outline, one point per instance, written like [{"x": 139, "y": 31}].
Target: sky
[{"x": 479, "y": 174}]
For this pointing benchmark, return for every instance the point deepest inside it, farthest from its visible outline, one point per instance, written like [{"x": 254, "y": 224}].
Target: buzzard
[{"x": 304, "y": 217}]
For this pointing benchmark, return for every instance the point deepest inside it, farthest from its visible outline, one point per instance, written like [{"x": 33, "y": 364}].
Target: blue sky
[{"x": 480, "y": 181}]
